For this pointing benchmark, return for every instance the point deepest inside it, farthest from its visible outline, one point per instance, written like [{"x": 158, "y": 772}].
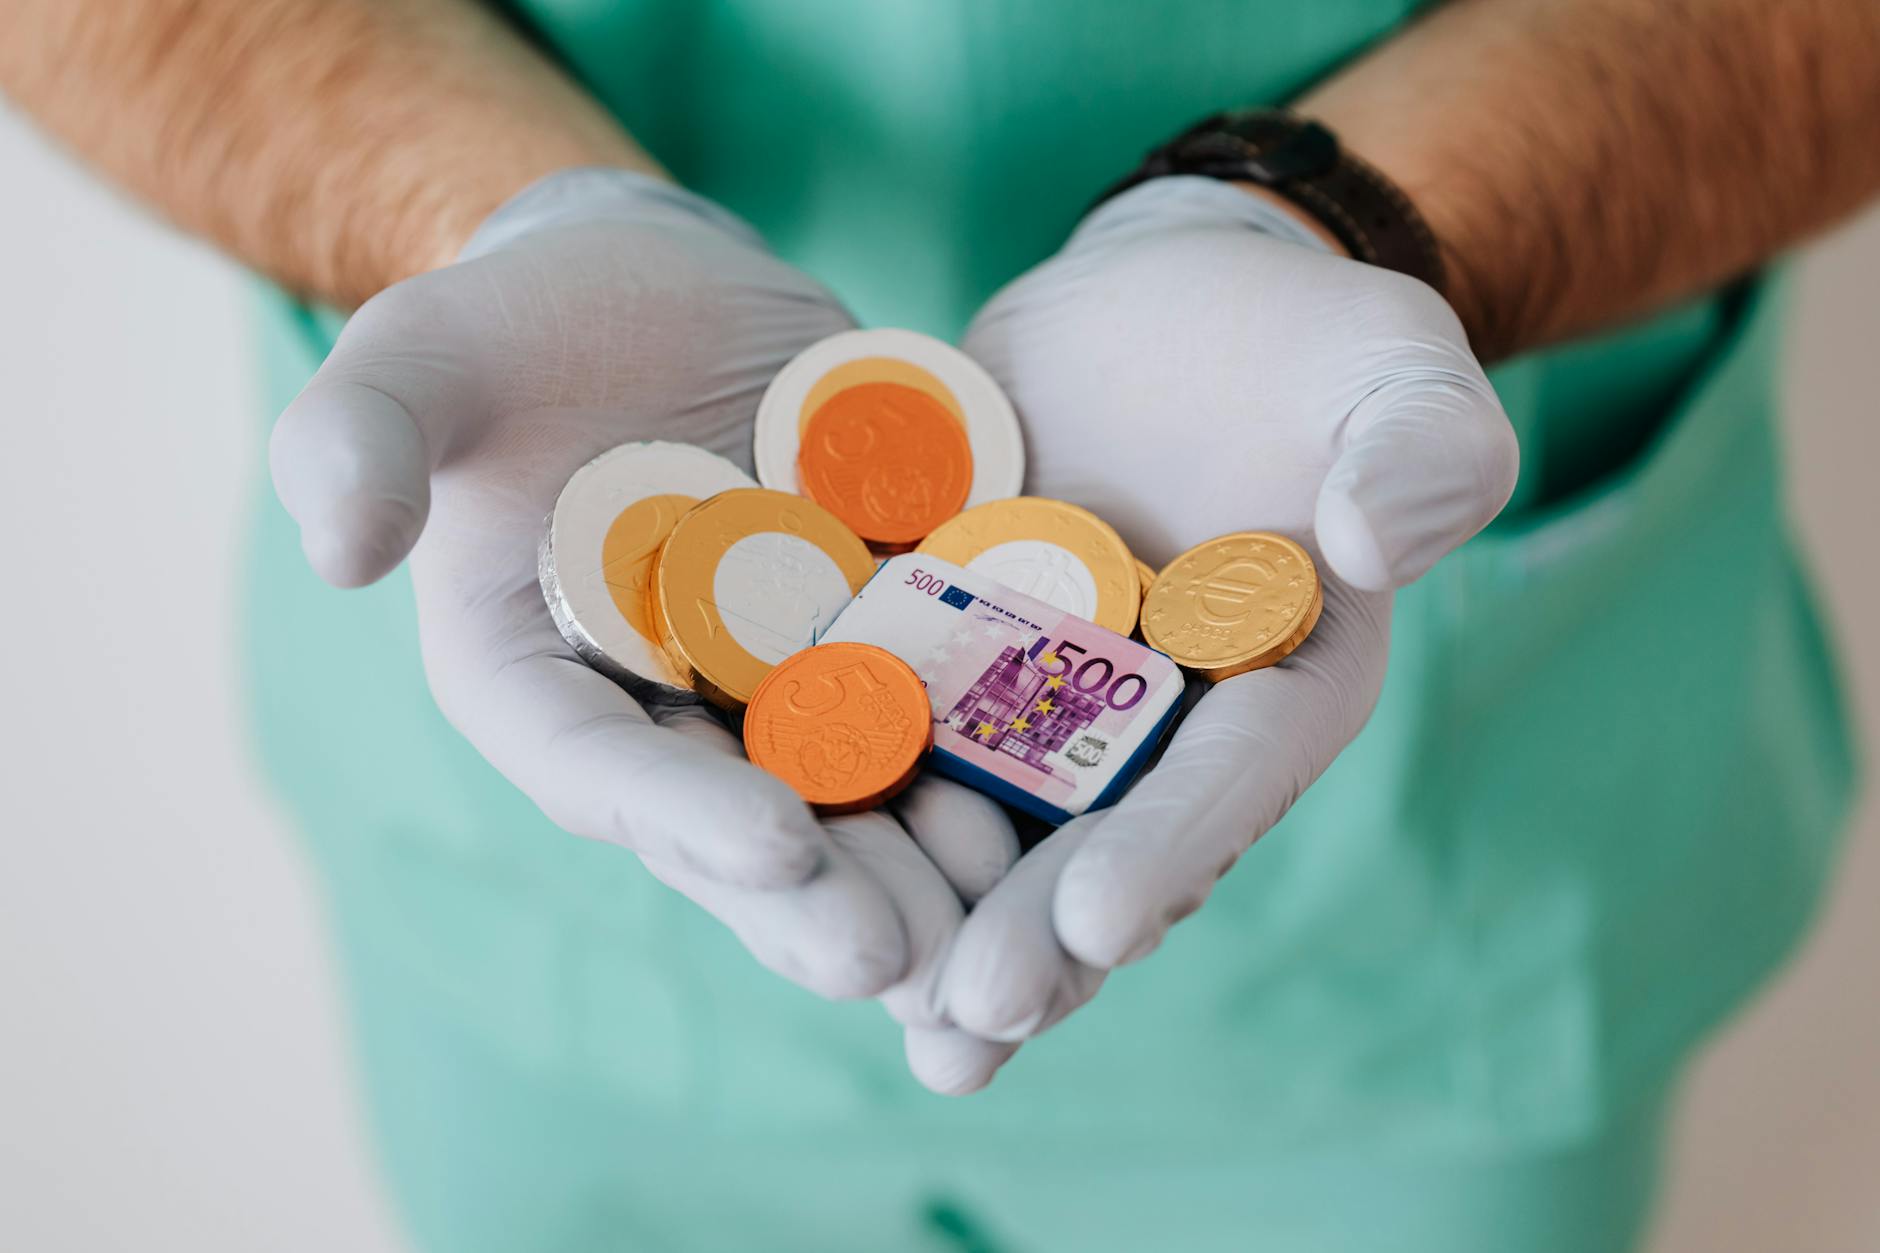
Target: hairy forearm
[
  {"x": 337, "y": 145},
  {"x": 1584, "y": 161}
]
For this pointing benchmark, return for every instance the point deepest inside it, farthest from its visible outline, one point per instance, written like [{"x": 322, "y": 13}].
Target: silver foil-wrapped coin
[{"x": 597, "y": 554}]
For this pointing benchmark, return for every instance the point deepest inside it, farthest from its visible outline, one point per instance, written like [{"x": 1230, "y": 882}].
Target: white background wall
[{"x": 172, "y": 1067}]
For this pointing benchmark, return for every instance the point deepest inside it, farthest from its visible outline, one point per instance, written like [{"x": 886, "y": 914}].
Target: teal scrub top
[{"x": 1595, "y": 806}]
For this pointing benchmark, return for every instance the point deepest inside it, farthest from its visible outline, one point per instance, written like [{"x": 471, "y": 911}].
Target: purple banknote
[{"x": 1048, "y": 712}]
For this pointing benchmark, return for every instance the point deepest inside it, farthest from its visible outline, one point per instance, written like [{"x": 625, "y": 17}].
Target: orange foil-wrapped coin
[
  {"x": 888, "y": 459},
  {"x": 846, "y": 725}
]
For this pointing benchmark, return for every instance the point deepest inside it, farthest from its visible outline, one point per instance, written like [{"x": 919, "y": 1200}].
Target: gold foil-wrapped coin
[
  {"x": 1050, "y": 550},
  {"x": 1233, "y": 604},
  {"x": 1145, "y": 575},
  {"x": 746, "y": 579}
]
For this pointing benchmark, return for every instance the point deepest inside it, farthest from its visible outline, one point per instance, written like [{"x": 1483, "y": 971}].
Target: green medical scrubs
[{"x": 1443, "y": 1006}]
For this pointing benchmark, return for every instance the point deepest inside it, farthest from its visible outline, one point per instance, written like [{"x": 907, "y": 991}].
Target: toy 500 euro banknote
[{"x": 1044, "y": 711}]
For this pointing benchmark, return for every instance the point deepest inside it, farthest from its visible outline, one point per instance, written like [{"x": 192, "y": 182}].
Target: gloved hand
[
  {"x": 597, "y": 307},
  {"x": 1195, "y": 361}
]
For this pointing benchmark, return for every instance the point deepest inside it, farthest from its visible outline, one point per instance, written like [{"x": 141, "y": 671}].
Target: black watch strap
[{"x": 1302, "y": 161}]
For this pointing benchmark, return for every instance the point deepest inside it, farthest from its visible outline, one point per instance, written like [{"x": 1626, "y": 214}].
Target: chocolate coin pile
[{"x": 671, "y": 570}]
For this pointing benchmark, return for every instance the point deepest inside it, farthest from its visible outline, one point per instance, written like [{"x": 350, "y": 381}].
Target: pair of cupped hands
[{"x": 1193, "y": 362}]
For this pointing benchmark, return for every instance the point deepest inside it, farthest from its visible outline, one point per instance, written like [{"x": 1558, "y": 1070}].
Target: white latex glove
[
  {"x": 598, "y": 307},
  {"x": 1195, "y": 362}
]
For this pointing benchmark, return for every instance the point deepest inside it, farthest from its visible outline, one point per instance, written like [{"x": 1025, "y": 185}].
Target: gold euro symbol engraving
[
  {"x": 1229, "y": 594},
  {"x": 1233, "y": 604}
]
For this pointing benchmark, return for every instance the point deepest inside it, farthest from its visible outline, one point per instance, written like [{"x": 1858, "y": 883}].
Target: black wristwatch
[{"x": 1301, "y": 161}]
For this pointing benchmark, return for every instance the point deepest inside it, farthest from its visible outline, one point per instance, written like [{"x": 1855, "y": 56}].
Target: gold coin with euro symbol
[{"x": 1239, "y": 602}]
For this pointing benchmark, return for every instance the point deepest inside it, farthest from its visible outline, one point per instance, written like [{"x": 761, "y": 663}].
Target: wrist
[
  {"x": 364, "y": 231},
  {"x": 467, "y": 117},
  {"x": 435, "y": 219},
  {"x": 1278, "y": 204},
  {"x": 1193, "y": 202},
  {"x": 570, "y": 197},
  {"x": 1403, "y": 145},
  {"x": 1322, "y": 184}
]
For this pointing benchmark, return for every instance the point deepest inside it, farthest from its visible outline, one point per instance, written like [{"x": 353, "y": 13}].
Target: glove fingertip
[
  {"x": 997, "y": 989},
  {"x": 862, "y": 971},
  {"x": 786, "y": 856},
  {"x": 1428, "y": 463},
  {"x": 872, "y": 961},
  {"x": 361, "y": 539},
  {"x": 949, "y": 1062},
  {"x": 1351, "y": 546},
  {"x": 1101, "y": 915},
  {"x": 966, "y": 835},
  {"x": 1101, "y": 943},
  {"x": 995, "y": 1021},
  {"x": 351, "y": 467}
]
